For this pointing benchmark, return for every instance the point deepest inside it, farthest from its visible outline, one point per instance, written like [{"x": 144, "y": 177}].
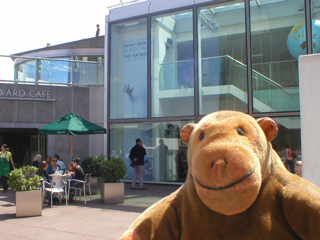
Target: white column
[{"x": 309, "y": 77}]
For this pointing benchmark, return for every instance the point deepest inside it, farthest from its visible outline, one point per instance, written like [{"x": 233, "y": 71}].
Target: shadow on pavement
[{"x": 7, "y": 216}]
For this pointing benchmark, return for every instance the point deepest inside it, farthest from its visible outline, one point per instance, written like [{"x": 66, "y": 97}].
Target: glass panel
[
  {"x": 315, "y": 6},
  {"x": 222, "y": 58},
  {"x": 172, "y": 65},
  {"x": 289, "y": 137},
  {"x": 278, "y": 38},
  {"x": 166, "y": 159},
  {"x": 86, "y": 73},
  {"x": 128, "y": 81},
  {"x": 89, "y": 58},
  {"x": 54, "y": 71},
  {"x": 27, "y": 71}
]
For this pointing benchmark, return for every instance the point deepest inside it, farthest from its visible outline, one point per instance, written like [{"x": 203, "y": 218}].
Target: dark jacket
[
  {"x": 43, "y": 173},
  {"x": 137, "y": 152},
  {"x": 80, "y": 175}
]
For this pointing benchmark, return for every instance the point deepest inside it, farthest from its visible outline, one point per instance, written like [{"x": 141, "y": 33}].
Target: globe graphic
[{"x": 296, "y": 41}]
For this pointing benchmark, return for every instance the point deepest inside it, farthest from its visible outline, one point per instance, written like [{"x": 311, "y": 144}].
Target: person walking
[
  {"x": 5, "y": 158},
  {"x": 137, "y": 154}
]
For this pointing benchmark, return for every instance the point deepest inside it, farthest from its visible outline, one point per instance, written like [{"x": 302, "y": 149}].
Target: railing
[
  {"x": 225, "y": 70},
  {"x": 49, "y": 71}
]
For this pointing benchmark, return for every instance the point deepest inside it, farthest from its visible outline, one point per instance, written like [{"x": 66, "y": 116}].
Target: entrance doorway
[{"x": 22, "y": 143}]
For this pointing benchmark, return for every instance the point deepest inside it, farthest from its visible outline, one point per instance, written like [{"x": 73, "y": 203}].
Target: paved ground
[{"x": 92, "y": 221}]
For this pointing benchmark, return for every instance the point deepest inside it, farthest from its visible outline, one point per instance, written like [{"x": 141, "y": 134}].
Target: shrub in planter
[
  {"x": 26, "y": 183},
  {"x": 112, "y": 190},
  {"x": 113, "y": 170},
  {"x": 93, "y": 165},
  {"x": 24, "y": 179}
]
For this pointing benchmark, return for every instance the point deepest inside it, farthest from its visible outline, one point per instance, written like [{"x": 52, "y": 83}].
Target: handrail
[
  {"x": 51, "y": 59},
  {"x": 179, "y": 61},
  {"x": 263, "y": 77},
  {"x": 46, "y": 83},
  {"x": 256, "y": 74},
  {"x": 94, "y": 76}
]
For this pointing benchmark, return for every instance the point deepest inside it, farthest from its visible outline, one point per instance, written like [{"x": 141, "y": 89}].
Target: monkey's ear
[
  {"x": 186, "y": 131},
  {"x": 269, "y": 126}
]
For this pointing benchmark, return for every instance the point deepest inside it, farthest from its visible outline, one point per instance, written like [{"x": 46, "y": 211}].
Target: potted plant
[
  {"x": 112, "y": 190},
  {"x": 26, "y": 183},
  {"x": 93, "y": 165}
]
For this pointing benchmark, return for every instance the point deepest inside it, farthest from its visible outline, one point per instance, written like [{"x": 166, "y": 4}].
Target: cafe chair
[
  {"x": 57, "y": 186},
  {"x": 85, "y": 184}
]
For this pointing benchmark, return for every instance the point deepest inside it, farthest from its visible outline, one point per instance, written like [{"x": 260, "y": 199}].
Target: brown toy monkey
[{"x": 237, "y": 188}]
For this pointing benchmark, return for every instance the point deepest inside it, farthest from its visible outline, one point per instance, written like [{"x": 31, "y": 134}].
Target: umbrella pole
[{"x": 72, "y": 153}]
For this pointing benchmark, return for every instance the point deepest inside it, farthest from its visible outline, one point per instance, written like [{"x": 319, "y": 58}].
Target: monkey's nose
[{"x": 219, "y": 162}]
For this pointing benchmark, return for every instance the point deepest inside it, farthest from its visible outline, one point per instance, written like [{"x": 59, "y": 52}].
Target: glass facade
[
  {"x": 222, "y": 58},
  {"x": 315, "y": 25},
  {"x": 52, "y": 71},
  {"x": 172, "y": 64},
  {"x": 166, "y": 159},
  {"x": 80, "y": 70},
  {"x": 231, "y": 55},
  {"x": 27, "y": 71},
  {"x": 289, "y": 136},
  {"x": 128, "y": 79},
  {"x": 277, "y": 41}
]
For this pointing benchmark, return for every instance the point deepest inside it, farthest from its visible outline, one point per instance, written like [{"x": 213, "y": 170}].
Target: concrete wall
[
  {"x": 309, "y": 72},
  {"x": 96, "y": 114},
  {"x": 32, "y": 106}
]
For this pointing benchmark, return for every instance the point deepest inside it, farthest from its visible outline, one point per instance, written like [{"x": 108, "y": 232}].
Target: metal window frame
[{"x": 196, "y": 117}]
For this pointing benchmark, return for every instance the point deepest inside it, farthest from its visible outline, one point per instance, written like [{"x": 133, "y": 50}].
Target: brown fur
[{"x": 270, "y": 203}]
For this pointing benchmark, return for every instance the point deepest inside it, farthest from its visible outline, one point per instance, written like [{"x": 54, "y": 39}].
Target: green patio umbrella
[{"x": 71, "y": 124}]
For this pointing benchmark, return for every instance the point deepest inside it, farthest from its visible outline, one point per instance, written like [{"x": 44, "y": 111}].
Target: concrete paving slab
[{"x": 79, "y": 221}]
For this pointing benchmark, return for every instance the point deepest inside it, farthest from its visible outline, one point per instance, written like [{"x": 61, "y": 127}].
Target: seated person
[
  {"x": 42, "y": 172},
  {"x": 48, "y": 160},
  {"x": 71, "y": 170},
  {"x": 53, "y": 166},
  {"x": 80, "y": 175},
  {"x": 36, "y": 161},
  {"x": 60, "y": 163}
]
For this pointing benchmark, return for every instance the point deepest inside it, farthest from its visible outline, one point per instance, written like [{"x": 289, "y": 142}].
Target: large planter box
[
  {"x": 112, "y": 192},
  {"x": 96, "y": 185},
  {"x": 28, "y": 203}
]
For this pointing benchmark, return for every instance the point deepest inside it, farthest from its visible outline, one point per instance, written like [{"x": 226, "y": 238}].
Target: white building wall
[{"x": 309, "y": 72}]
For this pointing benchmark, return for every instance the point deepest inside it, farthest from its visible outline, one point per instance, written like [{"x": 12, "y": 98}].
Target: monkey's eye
[
  {"x": 201, "y": 136},
  {"x": 240, "y": 131}
]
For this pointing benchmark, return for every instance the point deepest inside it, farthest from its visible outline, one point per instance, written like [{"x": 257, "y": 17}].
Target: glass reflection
[
  {"x": 288, "y": 142},
  {"x": 166, "y": 159},
  {"x": 27, "y": 71},
  {"x": 172, "y": 64},
  {"x": 128, "y": 78},
  {"x": 315, "y": 7},
  {"x": 222, "y": 58},
  {"x": 278, "y": 38},
  {"x": 54, "y": 71}
]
